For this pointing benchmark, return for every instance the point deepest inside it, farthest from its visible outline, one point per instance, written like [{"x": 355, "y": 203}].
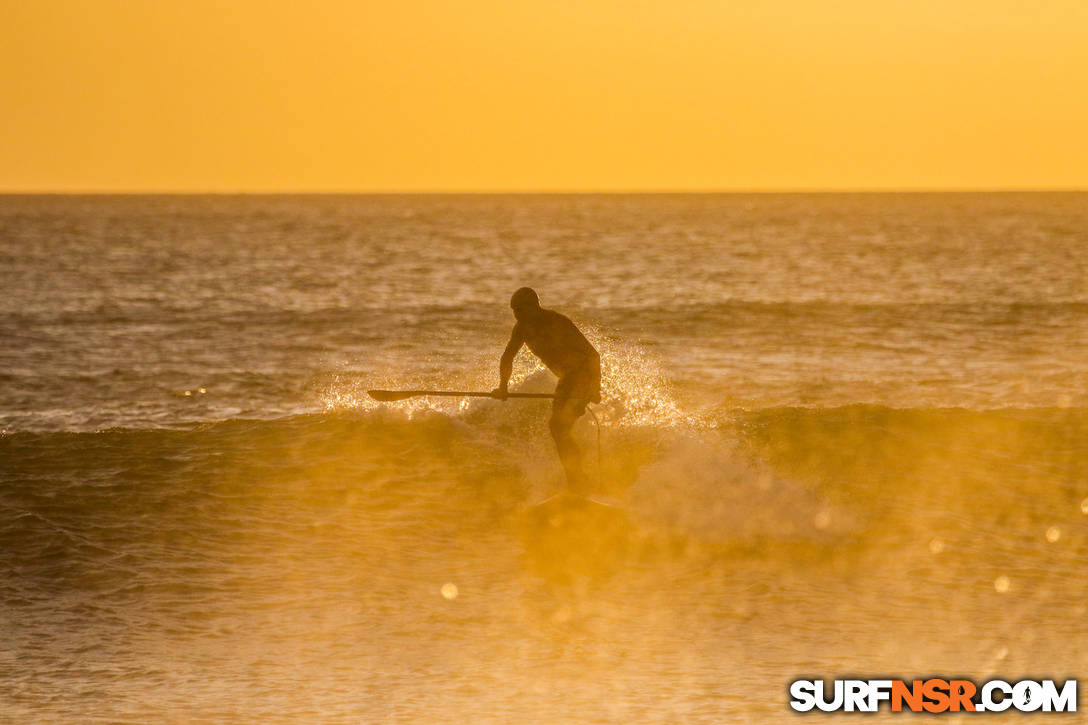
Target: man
[{"x": 554, "y": 339}]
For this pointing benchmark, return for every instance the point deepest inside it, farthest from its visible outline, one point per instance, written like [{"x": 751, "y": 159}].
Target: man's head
[{"x": 524, "y": 303}]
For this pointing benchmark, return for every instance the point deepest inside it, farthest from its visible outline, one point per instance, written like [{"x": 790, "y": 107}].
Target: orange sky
[{"x": 356, "y": 95}]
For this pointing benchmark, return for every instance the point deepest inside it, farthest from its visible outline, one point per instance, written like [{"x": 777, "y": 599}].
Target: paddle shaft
[{"x": 402, "y": 394}]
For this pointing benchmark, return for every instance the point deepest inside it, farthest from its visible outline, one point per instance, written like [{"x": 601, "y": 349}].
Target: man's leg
[{"x": 565, "y": 413}]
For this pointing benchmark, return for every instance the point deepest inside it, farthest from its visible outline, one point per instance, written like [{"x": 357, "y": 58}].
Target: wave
[
  {"x": 264, "y": 514},
  {"x": 773, "y": 474}
]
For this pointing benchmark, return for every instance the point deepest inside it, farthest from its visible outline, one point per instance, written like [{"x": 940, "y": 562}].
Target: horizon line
[{"x": 547, "y": 191}]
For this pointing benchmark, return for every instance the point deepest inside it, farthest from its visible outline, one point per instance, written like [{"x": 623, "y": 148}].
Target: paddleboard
[
  {"x": 567, "y": 498},
  {"x": 567, "y": 535},
  {"x": 564, "y": 509}
]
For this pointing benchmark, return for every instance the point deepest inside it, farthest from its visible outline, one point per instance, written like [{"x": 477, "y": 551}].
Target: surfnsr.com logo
[{"x": 934, "y": 695}]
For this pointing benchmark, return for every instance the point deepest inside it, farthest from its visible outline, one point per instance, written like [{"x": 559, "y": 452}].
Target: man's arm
[{"x": 506, "y": 363}]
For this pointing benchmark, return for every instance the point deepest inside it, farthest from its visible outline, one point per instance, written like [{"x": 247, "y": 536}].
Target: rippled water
[{"x": 846, "y": 435}]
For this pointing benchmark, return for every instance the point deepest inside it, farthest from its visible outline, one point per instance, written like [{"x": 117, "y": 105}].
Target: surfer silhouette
[{"x": 559, "y": 344}]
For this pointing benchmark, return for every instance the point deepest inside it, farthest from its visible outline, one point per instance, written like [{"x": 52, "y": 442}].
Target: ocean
[{"x": 844, "y": 435}]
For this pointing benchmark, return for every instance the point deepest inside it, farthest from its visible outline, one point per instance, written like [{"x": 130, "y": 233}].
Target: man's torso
[{"x": 558, "y": 343}]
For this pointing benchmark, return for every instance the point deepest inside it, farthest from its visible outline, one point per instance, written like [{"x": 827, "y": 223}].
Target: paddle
[{"x": 388, "y": 396}]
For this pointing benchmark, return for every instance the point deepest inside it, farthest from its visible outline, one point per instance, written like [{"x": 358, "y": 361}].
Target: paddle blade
[{"x": 389, "y": 396}]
